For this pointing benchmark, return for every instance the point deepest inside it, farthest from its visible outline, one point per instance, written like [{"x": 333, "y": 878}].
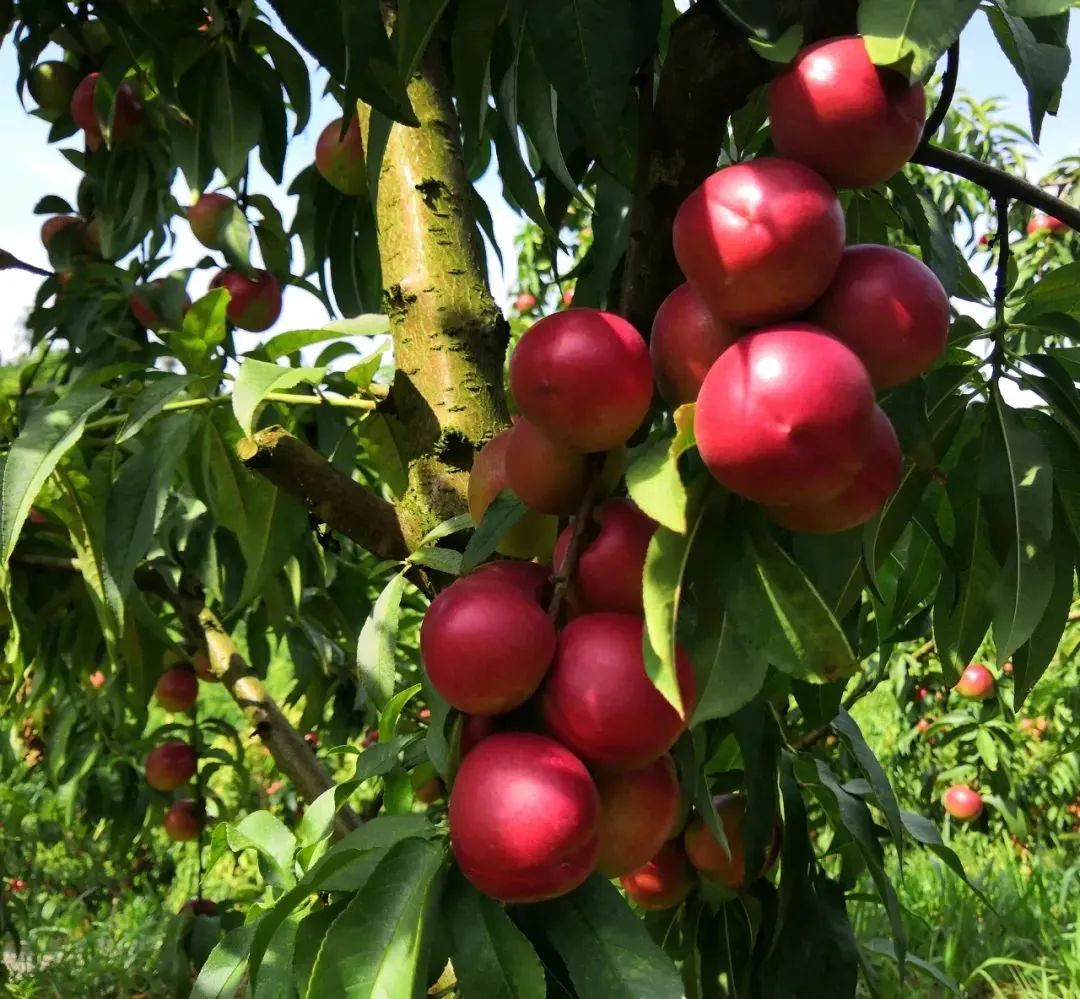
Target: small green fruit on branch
[{"x": 325, "y": 490}]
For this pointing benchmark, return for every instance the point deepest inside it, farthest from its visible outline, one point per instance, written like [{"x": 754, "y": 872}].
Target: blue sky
[{"x": 33, "y": 169}]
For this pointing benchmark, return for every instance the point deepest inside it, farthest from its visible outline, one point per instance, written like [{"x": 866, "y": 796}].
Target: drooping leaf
[
  {"x": 1041, "y": 65},
  {"x": 758, "y": 18},
  {"x": 652, "y": 477},
  {"x": 374, "y": 947},
  {"x": 223, "y": 971},
  {"x": 911, "y": 35},
  {"x": 47, "y": 436},
  {"x": 470, "y": 54},
  {"x": 150, "y": 401},
  {"x": 586, "y": 48},
  {"x": 416, "y": 20},
  {"x": 504, "y": 511},
  {"x": 202, "y": 333},
  {"x": 491, "y": 956},
  {"x": 138, "y": 497},
  {"x": 777, "y": 610},
  {"x": 378, "y": 638},
  {"x": 235, "y": 122},
  {"x": 268, "y": 835},
  {"x": 1016, "y": 482},
  {"x": 605, "y": 947}
]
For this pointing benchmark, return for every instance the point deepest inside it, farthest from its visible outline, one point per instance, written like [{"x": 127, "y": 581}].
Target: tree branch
[
  {"x": 999, "y": 183},
  {"x": 948, "y": 91},
  {"x": 1001, "y": 285},
  {"x": 449, "y": 336},
  {"x": 9, "y": 262},
  {"x": 331, "y": 495}
]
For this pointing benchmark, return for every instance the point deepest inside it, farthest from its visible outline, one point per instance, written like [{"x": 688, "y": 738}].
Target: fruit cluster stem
[{"x": 582, "y": 519}]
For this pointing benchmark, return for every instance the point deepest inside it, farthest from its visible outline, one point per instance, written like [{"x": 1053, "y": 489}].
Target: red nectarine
[
  {"x": 661, "y": 883},
  {"x": 170, "y": 765},
  {"x": 638, "y": 810},
  {"x": 523, "y": 818},
  {"x": 976, "y": 683},
  {"x": 177, "y": 690},
  {"x": 786, "y": 416},
  {"x": 206, "y": 217},
  {"x": 254, "y": 302},
  {"x": 545, "y": 474},
  {"x": 962, "y": 803},
  {"x": 486, "y": 646},
  {"x": 339, "y": 159},
  {"x": 184, "y": 820},
  {"x": 760, "y": 241}
]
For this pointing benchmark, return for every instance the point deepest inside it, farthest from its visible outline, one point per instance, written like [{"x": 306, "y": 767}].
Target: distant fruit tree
[{"x": 578, "y": 603}]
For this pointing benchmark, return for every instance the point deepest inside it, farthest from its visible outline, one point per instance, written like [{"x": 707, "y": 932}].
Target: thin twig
[
  {"x": 561, "y": 578},
  {"x": 999, "y": 183},
  {"x": 10, "y": 262},
  {"x": 945, "y": 98},
  {"x": 1001, "y": 287}
]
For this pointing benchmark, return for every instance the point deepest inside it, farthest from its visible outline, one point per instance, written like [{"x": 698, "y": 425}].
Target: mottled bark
[{"x": 449, "y": 336}]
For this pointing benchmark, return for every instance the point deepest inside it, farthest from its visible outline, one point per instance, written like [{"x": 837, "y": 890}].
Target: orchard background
[{"x": 275, "y": 502}]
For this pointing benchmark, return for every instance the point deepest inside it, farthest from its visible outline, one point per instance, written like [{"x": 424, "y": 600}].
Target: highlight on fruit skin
[
  {"x": 523, "y": 816},
  {"x": 963, "y": 803},
  {"x": 660, "y": 883},
  {"x": 854, "y": 123},
  {"x": 760, "y": 241}
]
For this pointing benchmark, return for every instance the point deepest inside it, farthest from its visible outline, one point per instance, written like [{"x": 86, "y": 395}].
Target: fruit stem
[{"x": 561, "y": 579}]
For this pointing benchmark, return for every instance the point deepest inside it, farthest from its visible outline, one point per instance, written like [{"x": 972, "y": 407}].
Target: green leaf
[
  {"x": 923, "y": 831},
  {"x": 886, "y": 948},
  {"x": 586, "y": 48},
  {"x": 391, "y": 714},
  {"x": 1040, "y": 65},
  {"x": 1035, "y": 655},
  {"x": 273, "y": 525},
  {"x": 416, "y": 20},
  {"x": 275, "y": 980},
  {"x": 150, "y": 401},
  {"x": 258, "y": 378},
  {"x": 268, "y": 835},
  {"x": 537, "y": 107},
  {"x": 733, "y": 674},
  {"x": 777, "y": 610},
  {"x": 233, "y": 235},
  {"x": 911, "y": 35},
  {"x": 606, "y": 949},
  {"x": 652, "y": 476},
  {"x": 203, "y": 331},
  {"x": 1039, "y": 8},
  {"x": 235, "y": 122},
  {"x": 518, "y": 181},
  {"x": 221, "y": 975},
  {"x": 504, "y": 511},
  {"x": 492, "y": 957},
  {"x": 987, "y": 748},
  {"x": 370, "y": 69},
  {"x": 374, "y": 948},
  {"x": 309, "y": 937},
  {"x": 47, "y": 436},
  {"x": 287, "y": 343},
  {"x": 378, "y": 639},
  {"x": 932, "y": 230},
  {"x": 848, "y": 730},
  {"x": 611, "y": 229},
  {"x": 137, "y": 500},
  {"x": 470, "y": 55},
  {"x": 1017, "y": 486},
  {"x": 290, "y": 67}
]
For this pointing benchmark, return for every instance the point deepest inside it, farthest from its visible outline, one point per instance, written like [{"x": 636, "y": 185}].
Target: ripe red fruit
[
  {"x": 57, "y": 223},
  {"x": 523, "y": 818},
  {"x": 146, "y": 313},
  {"x": 707, "y": 854},
  {"x": 534, "y": 534},
  {"x": 339, "y": 159},
  {"x": 170, "y": 765},
  {"x": 890, "y": 309},
  {"x": 255, "y": 301},
  {"x": 685, "y": 341},
  {"x": 921, "y": 694},
  {"x": 835, "y": 111},
  {"x": 976, "y": 683},
  {"x": 638, "y": 810},
  {"x": 525, "y": 302},
  {"x": 544, "y": 473},
  {"x": 205, "y": 218},
  {"x": 610, "y": 567},
  {"x": 1007, "y": 669},
  {"x": 760, "y": 241},
  {"x": 568, "y": 297},
  {"x": 200, "y": 907},
  {"x": 873, "y": 484},
  {"x": 36, "y": 516},
  {"x": 599, "y": 701},
  {"x": 786, "y": 416},
  {"x": 583, "y": 377},
  {"x": 312, "y": 739},
  {"x": 97, "y": 679},
  {"x": 923, "y": 725},
  {"x": 1045, "y": 223},
  {"x": 486, "y": 646},
  {"x": 177, "y": 690},
  {"x": 962, "y": 803},
  {"x": 529, "y": 577},
  {"x": 661, "y": 883},
  {"x": 127, "y": 114},
  {"x": 184, "y": 820}
]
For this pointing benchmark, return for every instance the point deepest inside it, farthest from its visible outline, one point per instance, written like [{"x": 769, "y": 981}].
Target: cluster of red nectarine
[
  {"x": 781, "y": 334},
  {"x": 172, "y": 764}
]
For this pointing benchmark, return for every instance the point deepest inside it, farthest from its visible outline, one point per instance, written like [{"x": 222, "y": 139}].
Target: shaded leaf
[{"x": 378, "y": 639}]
